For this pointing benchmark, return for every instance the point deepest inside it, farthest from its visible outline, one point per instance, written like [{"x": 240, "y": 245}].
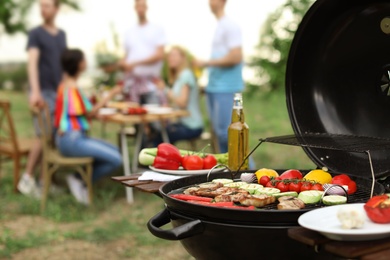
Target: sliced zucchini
[
  {"x": 223, "y": 181},
  {"x": 310, "y": 196},
  {"x": 267, "y": 191},
  {"x": 334, "y": 200},
  {"x": 251, "y": 188},
  {"x": 287, "y": 193},
  {"x": 237, "y": 184}
]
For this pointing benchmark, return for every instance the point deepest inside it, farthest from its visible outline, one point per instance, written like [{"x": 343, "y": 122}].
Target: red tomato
[
  {"x": 283, "y": 187},
  {"x": 264, "y": 180},
  {"x": 351, "y": 187},
  {"x": 192, "y": 162},
  {"x": 270, "y": 184},
  {"x": 291, "y": 174},
  {"x": 306, "y": 186},
  {"x": 296, "y": 186},
  {"x": 278, "y": 178},
  {"x": 317, "y": 186},
  {"x": 341, "y": 179},
  {"x": 209, "y": 161}
]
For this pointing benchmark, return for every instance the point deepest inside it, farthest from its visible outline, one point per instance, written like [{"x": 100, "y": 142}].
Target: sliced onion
[
  {"x": 248, "y": 177},
  {"x": 335, "y": 189}
]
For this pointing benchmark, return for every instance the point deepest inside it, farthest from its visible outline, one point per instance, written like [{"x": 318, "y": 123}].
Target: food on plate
[
  {"x": 248, "y": 177},
  {"x": 350, "y": 217},
  {"x": 135, "y": 111},
  {"x": 257, "y": 200},
  {"x": 285, "y": 194},
  {"x": 266, "y": 172},
  {"x": 223, "y": 181},
  {"x": 310, "y": 196},
  {"x": 334, "y": 200},
  {"x": 335, "y": 189},
  {"x": 168, "y": 157},
  {"x": 291, "y": 174},
  {"x": 192, "y": 162},
  {"x": 147, "y": 155},
  {"x": 344, "y": 179},
  {"x": 209, "y": 161},
  {"x": 378, "y": 209},
  {"x": 290, "y": 203},
  {"x": 320, "y": 176}
]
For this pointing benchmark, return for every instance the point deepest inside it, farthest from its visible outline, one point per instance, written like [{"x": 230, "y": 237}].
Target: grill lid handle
[{"x": 189, "y": 229}]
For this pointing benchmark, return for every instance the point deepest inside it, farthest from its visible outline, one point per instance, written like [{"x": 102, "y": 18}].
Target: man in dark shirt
[{"x": 45, "y": 46}]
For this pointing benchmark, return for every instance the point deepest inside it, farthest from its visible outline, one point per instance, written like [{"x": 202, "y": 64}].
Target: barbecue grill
[{"x": 338, "y": 98}]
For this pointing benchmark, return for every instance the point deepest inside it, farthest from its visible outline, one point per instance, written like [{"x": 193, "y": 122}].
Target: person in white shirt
[{"x": 144, "y": 46}]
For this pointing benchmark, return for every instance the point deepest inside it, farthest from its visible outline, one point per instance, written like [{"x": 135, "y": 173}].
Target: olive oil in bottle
[{"x": 238, "y": 137}]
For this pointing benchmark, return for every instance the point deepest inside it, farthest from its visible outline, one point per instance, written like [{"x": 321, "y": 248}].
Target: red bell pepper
[
  {"x": 378, "y": 209},
  {"x": 168, "y": 157},
  {"x": 344, "y": 179},
  {"x": 190, "y": 197}
]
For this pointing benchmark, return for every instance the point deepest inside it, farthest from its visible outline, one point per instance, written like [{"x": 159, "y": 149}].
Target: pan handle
[{"x": 189, "y": 229}]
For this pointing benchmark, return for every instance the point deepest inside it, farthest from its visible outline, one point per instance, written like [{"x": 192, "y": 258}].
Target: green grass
[{"x": 111, "y": 218}]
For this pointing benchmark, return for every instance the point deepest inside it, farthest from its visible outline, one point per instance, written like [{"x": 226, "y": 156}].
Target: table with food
[{"x": 130, "y": 114}]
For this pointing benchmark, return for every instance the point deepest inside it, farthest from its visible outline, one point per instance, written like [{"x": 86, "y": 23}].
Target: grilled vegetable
[
  {"x": 223, "y": 181},
  {"x": 334, "y": 200},
  {"x": 267, "y": 191},
  {"x": 378, "y": 209},
  {"x": 310, "y": 196},
  {"x": 282, "y": 194},
  {"x": 251, "y": 188}
]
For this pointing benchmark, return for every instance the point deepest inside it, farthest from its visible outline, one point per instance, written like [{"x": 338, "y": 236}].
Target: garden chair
[
  {"x": 52, "y": 160},
  {"x": 11, "y": 147}
]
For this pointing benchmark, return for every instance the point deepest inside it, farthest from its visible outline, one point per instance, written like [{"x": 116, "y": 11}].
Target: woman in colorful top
[
  {"x": 184, "y": 94},
  {"x": 72, "y": 114}
]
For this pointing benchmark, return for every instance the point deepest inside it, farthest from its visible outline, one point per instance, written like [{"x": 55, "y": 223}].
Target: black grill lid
[{"x": 338, "y": 80}]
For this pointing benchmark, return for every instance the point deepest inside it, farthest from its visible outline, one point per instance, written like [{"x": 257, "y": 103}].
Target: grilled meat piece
[
  {"x": 290, "y": 203},
  {"x": 204, "y": 187},
  {"x": 257, "y": 200},
  {"x": 191, "y": 190},
  {"x": 236, "y": 197},
  {"x": 220, "y": 191},
  {"x": 223, "y": 198},
  {"x": 210, "y": 185}
]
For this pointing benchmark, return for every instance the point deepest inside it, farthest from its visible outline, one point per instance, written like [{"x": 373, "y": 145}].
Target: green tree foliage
[
  {"x": 269, "y": 63},
  {"x": 13, "y": 14}
]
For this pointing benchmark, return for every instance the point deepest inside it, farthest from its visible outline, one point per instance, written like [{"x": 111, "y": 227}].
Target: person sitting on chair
[
  {"x": 184, "y": 94},
  {"x": 72, "y": 112}
]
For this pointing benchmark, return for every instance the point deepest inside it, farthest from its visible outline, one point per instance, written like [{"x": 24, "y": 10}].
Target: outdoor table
[
  {"x": 124, "y": 120},
  {"x": 367, "y": 250}
]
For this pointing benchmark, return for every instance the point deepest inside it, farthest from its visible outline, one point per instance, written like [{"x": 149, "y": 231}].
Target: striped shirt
[{"x": 72, "y": 107}]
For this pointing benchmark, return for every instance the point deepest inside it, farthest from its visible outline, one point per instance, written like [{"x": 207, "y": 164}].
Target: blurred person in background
[
  {"x": 183, "y": 93},
  {"x": 225, "y": 72},
  {"x": 72, "y": 113},
  {"x": 144, "y": 47},
  {"x": 44, "y": 47}
]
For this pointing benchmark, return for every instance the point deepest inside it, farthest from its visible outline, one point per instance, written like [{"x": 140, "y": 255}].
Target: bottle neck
[{"x": 238, "y": 115}]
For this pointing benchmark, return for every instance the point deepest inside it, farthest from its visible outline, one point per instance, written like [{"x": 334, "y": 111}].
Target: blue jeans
[
  {"x": 177, "y": 132},
  {"x": 106, "y": 157},
  {"x": 220, "y": 107}
]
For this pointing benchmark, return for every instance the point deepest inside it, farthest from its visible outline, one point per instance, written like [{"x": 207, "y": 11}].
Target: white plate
[
  {"x": 184, "y": 172},
  {"x": 159, "y": 110},
  {"x": 325, "y": 221},
  {"x": 105, "y": 111}
]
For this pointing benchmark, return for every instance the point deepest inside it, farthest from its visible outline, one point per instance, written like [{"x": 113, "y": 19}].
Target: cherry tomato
[
  {"x": 317, "y": 186},
  {"x": 270, "y": 184},
  {"x": 278, "y": 178},
  {"x": 306, "y": 186},
  {"x": 351, "y": 187},
  {"x": 296, "y": 186},
  {"x": 192, "y": 162},
  {"x": 341, "y": 179},
  {"x": 283, "y": 187},
  {"x": 264, "y": 180},
  {"x": 209, "y": 161}
]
